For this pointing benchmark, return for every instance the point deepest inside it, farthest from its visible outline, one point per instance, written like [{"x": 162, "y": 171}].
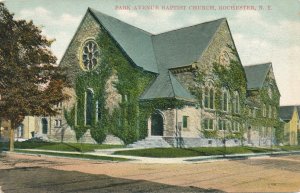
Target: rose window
[{"x": 90, "y": 55}]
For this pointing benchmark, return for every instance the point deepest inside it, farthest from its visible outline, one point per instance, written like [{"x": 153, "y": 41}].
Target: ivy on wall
[
  {"x": 129, "y": 120},
  {"x": 232, "y": 77}
]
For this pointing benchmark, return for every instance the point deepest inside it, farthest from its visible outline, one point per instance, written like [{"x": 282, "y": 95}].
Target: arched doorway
[
  {"x": 89, "y": 107},
  {"x": 157, "y": 124},
  {"x": 44, "y": 126}
]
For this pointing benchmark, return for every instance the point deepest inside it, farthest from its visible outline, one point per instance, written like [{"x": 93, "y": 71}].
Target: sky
[{"x": 270, "y": 34}]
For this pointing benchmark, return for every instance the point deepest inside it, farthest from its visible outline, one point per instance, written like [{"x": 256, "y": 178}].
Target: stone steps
[
  {"x": 150, "y": 142},
  {"x": 112, "y": 140}
]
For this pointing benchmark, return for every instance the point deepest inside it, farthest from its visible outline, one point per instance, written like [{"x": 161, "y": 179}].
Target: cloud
[
  {"x": 270, "y": 40},
  {"x": 59, "y": 27},
  {"x": 44, "y": 16}
]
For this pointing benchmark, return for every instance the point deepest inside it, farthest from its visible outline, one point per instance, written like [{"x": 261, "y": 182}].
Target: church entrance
[{"x": 157, "y": 124}]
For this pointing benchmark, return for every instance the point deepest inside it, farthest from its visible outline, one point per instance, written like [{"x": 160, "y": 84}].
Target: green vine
[
  {"x": 129, "y": 120},
  {"x": 210, "y": 134}
]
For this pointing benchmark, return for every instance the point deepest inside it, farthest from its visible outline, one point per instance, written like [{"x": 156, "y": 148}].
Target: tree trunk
[{"x": 12, "y": 137}]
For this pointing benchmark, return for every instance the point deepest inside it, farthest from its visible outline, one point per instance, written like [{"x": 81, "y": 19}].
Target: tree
[{"x": 30, "y": 82}]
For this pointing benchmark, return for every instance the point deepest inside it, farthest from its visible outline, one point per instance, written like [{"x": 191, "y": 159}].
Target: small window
[
  {"x": 185, "y": 121},
  {"x": 209, "y": 142},
  {"x": 222, "y": 125},
  {"x": 205, "y": 124},
  {"x": 57, "y": 123},
  {"x": 208, "y": 124},
  {"x": 211, "y": 124}
]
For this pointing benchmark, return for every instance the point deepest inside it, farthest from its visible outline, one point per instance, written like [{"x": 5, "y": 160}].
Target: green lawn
[
  {"x": 190, "y": 152},
  {"x": 76, "y": 147},
  {"x": 289, "y": 148},
  {"x": 83, "y": 156}
]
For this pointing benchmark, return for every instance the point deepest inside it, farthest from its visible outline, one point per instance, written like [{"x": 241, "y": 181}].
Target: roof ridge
[
  {"x": 298, "y": 105},
  {"x": 173, "y": 78},
  {"x": 94, "y": 10},
  {"x": 169, "y": 74},
  {"x": 154, "y": 53},
  {"x": 180, "y": 28},
  {"x": 258, "y": 64}
]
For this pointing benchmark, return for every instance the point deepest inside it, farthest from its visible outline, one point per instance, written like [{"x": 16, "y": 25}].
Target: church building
[{"x": 186, "y": 87}]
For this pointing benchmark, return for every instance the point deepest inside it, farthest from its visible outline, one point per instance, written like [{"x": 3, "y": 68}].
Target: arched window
[
  {"x": 270, "y": 111},
  {"x": 270, "y": 91},
  {"x": 206, "y": 97},
  {"x": 224, "y": 100},
  {"x": 89, "y": 107},
  {"x": 211, "y": 99},
  {"x": 236, "y": 103},
  {"x": 264, "y": 110},
  {"x": 209, "y": 96},
  {"x": 44, "y": 125},
  {"x": 98, "y": 111}
]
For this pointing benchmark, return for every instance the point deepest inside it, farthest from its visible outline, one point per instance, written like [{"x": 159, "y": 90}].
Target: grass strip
[
  {"x": 74, "y": 147},
  {"x": 192, "y": 152},
  {"x": 71, "y": 155}
]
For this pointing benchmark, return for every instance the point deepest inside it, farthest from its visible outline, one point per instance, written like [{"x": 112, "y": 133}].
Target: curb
[
  {"x": 242, "y": 156},
  {"x": 139, "y": 159},
  {"x": 37, "y": 154}
]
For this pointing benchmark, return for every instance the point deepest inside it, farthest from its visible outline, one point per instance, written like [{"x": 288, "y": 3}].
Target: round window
[{"x": 90, "y": 55}]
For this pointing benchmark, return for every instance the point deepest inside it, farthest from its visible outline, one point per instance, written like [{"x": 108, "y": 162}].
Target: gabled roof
[
  {"x": 184, "y": 46},
  {"x": 286, "y": 112},
  {"x": 174, "y": 48},
  {"x": 256, "y": 75},
  {"x": 136, "y": 43},
  {"x": 167, "y": 86},
  {"x": 160, "y": 52}
]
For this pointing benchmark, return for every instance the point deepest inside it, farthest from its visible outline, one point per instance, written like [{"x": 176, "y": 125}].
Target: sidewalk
[{"x": 183, "y": 160}]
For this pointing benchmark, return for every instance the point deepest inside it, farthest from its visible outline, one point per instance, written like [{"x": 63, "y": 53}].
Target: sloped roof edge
[{"x": 256, "y": 75}]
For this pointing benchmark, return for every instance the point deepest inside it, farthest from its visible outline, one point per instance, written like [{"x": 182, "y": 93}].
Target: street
[{"x": 24, "y": 173}]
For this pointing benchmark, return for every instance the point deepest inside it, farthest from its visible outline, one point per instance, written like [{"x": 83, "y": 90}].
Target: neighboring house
[
  {"x": 23, "y": 132},
  {"x": 185, "y": 87},
  {"x": 291, "y": 117},
  {"x": 40, "y": 127}
]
